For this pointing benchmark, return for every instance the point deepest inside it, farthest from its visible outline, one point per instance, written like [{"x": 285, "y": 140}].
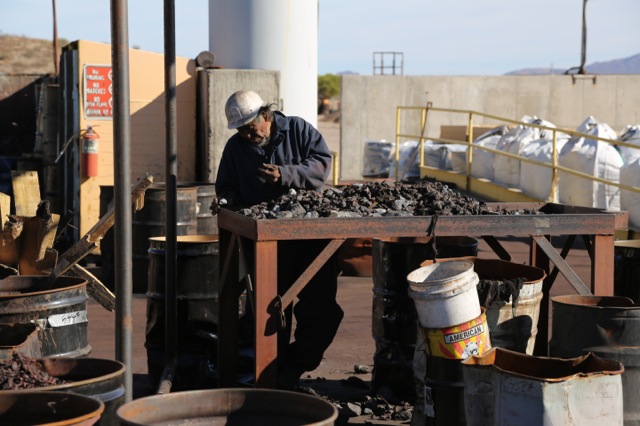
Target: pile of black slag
[{"x": 375, "y": 199}]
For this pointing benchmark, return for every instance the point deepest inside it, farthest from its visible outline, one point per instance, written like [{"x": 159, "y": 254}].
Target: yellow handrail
[{"x": 555, "y": 168}]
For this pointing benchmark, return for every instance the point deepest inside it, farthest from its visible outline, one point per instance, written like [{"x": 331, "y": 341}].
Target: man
[{"x": 270, "y": 154}]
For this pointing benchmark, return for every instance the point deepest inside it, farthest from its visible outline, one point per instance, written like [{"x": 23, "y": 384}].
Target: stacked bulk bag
[
  {"x": 482, "y": 161},
  {"x": 536, "y": 180},
  {"x": 630, "y": 174},
  {"x": 595, "y": 158},
  {"x": 506, "y": 171}
]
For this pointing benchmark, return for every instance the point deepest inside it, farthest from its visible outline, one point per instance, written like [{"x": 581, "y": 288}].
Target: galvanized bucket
[
  {"x": 510, "y": 327},
  {"x": 48, "y": 409},
  {"x": 229, "y": 406},
  {"x": 507, "y": 387},
  {"x": 608, "y": 326},
  {"x": 58, "y": 309}
]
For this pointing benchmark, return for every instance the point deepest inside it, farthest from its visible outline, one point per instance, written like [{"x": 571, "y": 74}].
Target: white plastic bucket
[{"x": 445, "y": 293}]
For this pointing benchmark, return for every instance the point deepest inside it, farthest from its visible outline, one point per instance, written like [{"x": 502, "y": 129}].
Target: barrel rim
[
  {"x": 61, "y": 396},
  {"x": 14, "y": 295},
  {"x": 190, "y": 239},
  {"x": 193, "y": 394},
  {"x": 79, "y": 383},
  {"x": 626, "y": 303}
]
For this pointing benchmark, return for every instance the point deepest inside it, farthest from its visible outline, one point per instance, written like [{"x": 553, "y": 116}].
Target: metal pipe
[
  {"x": 171, "y": 171},
  {"x": 122, "y": 187}
]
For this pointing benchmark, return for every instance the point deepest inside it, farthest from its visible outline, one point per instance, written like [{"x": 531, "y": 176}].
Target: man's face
[{"x": 257, "y": 132}]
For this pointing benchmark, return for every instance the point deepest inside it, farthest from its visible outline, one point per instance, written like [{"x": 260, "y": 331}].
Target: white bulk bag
[
  {"x": 630, "y": 201},
  {"x": 595, "y": 158},
  {"x": 535, "y": 180},
  {"x": 482, "y": 161},
  {"x": 630, "y": 134},
  {"x": 506, "y": 171}
]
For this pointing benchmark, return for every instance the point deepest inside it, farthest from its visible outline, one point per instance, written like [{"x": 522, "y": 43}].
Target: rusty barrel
[
  {"x": 229, "y": 406},
  {"x": 608, "y": 326},
  {"x": 513, "y": 323},
  {"x": 48, "y": 408},
  {"x": 198, "y": 261},
  {"x": 394, "y": 316},
  {"x": 58, "y": 309},
  {"x": 102, "y": 379}
]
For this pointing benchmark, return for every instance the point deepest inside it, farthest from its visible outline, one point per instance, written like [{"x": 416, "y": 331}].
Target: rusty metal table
[{"x": 596, "y": 226}]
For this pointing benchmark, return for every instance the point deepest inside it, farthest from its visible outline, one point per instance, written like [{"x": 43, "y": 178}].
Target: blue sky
[{"x": 454, "y": 37}]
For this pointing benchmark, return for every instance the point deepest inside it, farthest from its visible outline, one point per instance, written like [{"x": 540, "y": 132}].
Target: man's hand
[
  {"x": 270, "y": 173},
  {"x": 216, "y": 204}
]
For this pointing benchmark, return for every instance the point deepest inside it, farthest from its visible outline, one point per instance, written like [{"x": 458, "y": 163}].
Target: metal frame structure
[
  {"x": 596, "y": 226},
  {"x": 396, "y": 66}
]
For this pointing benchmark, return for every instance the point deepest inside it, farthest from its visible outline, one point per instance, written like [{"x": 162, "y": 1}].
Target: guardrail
[{"x": 554, "y": 166}]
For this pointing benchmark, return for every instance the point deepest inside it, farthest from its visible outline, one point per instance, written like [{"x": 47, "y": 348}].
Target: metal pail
[
  {"x": 197, "y": 294},
  {"x": 102, "y": 379},
  {"x": 229, "y": 406},
  {"x": 608, "y": 326},
  {"x": 510, "y": 327},
  {"x": 59, "y": 311},
  {"x": 507, "y": 387},
  {"x": 48, "y": 408}
]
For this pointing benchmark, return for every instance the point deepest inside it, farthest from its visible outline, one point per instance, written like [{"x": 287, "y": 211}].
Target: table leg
[
  {"x": 266, "y": 290},
  {"x": 602, "y": 265},
  {"x": 228, "y": 311}
]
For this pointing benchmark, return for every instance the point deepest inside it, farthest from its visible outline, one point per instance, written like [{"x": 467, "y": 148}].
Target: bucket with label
[
  {"x": 445, "y": 293},
  {"x": 459, "y": 341}
]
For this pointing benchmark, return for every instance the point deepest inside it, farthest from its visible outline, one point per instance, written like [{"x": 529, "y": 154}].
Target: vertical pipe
[
  {"x": 55, "y": 40},
  {"x": 122, "y": 186},
  {"x": 171, "y": 172}
]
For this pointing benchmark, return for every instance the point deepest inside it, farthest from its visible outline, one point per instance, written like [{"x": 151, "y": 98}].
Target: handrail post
[
  {"x": 553, "y": 193},
  {"x": 397, "y": 154},
  {"x": 469, "y": 149}
]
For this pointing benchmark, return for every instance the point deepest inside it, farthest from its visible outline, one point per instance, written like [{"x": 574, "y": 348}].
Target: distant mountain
[{"x": 630, "y": 65}]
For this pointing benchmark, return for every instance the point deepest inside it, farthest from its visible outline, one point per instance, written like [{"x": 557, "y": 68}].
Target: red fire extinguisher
[{"x": 90, "y": 142}]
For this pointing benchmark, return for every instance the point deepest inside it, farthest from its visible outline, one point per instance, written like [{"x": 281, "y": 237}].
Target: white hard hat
[{"x": 241, "y": 108}]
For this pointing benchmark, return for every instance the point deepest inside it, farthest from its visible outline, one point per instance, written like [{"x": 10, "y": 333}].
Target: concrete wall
[
  {"x": 369, "y": 104},
  {"x": 221, "y": 83}
]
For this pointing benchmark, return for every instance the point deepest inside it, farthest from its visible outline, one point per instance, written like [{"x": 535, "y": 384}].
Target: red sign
[{"x": 98, "y": 91}]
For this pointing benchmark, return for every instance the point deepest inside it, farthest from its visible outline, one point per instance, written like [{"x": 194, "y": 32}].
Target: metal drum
[
  {"x": 48, "y": 408},
  {"x": 102, "y": 379},
  {"x": 58, "y": 309},
  {"x": 608, "y": 326},
  {"x": 229, "y": 406},
  {"x": 197, "y": 316},
  {"x": 150, "y": 221}
]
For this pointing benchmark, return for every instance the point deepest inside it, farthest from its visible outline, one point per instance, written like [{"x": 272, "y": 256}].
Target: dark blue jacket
[{"x": 295, "y": 145}]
